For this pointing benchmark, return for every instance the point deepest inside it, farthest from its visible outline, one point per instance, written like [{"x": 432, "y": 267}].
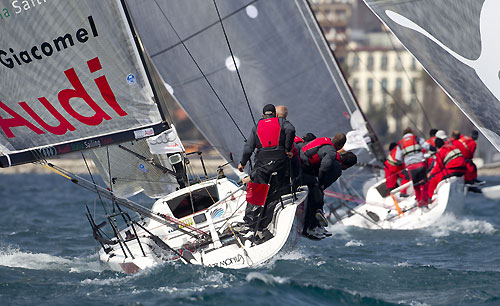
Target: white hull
[
  {"x": 225, "y": 248},
  {"x": 492, "y": 192},
  {"x": 381, "y": 213}
]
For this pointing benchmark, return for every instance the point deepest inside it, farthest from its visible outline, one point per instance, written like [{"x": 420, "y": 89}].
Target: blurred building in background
[{"x": 391, "y": 87}]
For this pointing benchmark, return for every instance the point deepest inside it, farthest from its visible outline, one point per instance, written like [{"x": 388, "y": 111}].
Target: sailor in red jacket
[
  {"x": 463, "y": 143},
  {"x": 321, "y": 166},
  {"x": 392, "y": 168},
  {"x": 448, "y": 162},
  {"x": 410, "y": 152},
  {"x": 432, "y": 134}
]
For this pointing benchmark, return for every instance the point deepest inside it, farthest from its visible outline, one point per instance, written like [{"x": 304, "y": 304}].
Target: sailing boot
[
  {"x": 315, "y": 233},
  {"x": 320, "y": 216}
]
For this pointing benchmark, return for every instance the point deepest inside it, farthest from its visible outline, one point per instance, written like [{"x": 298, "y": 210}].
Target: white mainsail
[
  {"x": 72, "y": 79},
  {"x": 456, "y": 42}
]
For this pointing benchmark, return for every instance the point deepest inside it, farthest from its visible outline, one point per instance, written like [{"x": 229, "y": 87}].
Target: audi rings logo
[
  {"x": 48, "y": 151},
  {"x": 167, "y": 137}
]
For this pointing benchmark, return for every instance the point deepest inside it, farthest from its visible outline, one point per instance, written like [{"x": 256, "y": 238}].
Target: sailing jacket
[
  {"x": 272, "y": 138},
  {"x": 297, "y": 145},
  {"x": 311, "y": 149},
  {"x": 470, "y": 145},
  {"x": 319, "y": 158},
  {"x": 431, "y": 141},
  {"x": 391, "y": 158},
  {"x": 409, "y": 150},
  {"x": 461, "y": 146},
  {"x": 450, "y": 158}
]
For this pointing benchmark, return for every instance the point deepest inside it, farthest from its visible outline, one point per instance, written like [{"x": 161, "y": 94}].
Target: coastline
[{"x": 77, "y": 166}]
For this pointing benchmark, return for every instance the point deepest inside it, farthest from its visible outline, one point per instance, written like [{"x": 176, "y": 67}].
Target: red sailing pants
[
  {"x": 471, "y": 173},
  {"x": 418, "y": 174},
  {"x": 391, "y": 175}
]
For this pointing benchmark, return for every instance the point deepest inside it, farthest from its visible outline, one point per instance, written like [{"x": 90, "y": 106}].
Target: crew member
[
  {"x": 448, "y": 162},
  {"x": 321, "y": 166},
  {"x": 461, "y": 143},
  {"x": 294, "y": 163},
  {"x": 392, "y": 168},
  {"x": 409, "y": 152},
  {"x": 432, "y": 135},
  {"x": 273, "y": 139}
]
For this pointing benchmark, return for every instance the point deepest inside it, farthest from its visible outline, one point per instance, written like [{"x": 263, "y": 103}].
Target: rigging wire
[
  {"x": 93, "y": 181},
  {"x": 201, "y": 71},
  {"x": 234, "y": 62},
  {"x": 109, "y": 172}
]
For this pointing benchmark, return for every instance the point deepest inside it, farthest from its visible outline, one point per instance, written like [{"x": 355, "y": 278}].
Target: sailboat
[
  {"x": 95, "y": 92},
  {"x": 447, "y": 47},
  {"x": 254, "y": 53},
  {"x": 306, "y": 78}
]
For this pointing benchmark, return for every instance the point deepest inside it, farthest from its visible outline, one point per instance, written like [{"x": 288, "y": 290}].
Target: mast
[
  {"x": 145, "y": 64},
  {"x": 178, "y": 167}
]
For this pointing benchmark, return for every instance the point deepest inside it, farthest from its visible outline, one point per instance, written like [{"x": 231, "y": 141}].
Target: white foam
[
  {"x": 339, "y": 230},
  {"x": 354, "y": 243},
  {"x": 15, "y": 258},
  {"x": 450, "y": 224},
  {"x": 268, "y": 279}
]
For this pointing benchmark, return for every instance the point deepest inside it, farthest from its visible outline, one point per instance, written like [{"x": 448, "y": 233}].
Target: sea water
[{"x": 48, "y": 257}]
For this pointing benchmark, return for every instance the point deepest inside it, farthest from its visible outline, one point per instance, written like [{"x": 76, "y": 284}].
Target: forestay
[
  {"x": 457, "y": 43},
  {"x": 279, "y": 50},
  {"x": 71, "y": 79}
]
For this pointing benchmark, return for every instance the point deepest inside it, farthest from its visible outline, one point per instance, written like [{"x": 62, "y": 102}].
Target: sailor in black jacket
[{"x": 273, "y": 139}]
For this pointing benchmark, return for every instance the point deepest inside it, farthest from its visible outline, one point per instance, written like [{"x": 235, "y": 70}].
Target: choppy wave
[
  {"x": 448, "y": 224},
  {"x": 268, "y": 279},
  {"x": 354, "y": 243},
  {"x": 15, "y": 258}
]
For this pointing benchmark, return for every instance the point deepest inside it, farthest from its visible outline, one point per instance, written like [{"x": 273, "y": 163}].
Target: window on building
[
  {"x": 369, "y": 85},
  {"x": 384, "y": 85},
  {"x": 355, "y": 63},
  {"x": 399, "y": 83},
  {"x": 355, "y": 84},
  {"x": 341, "y": 14},
  {"x": 369, "y": 64},
  {"x": 383, "y": 62}
]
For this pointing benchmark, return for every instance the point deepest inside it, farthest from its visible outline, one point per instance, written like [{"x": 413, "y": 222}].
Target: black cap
[{"x": 269, "y": 109}]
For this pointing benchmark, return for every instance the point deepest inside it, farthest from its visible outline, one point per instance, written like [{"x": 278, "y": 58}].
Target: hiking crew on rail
[{"x": 273, "y": 139}]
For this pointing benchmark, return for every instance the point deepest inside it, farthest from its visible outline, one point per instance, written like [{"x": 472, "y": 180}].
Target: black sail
[{"x": 282, "y": 59}]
